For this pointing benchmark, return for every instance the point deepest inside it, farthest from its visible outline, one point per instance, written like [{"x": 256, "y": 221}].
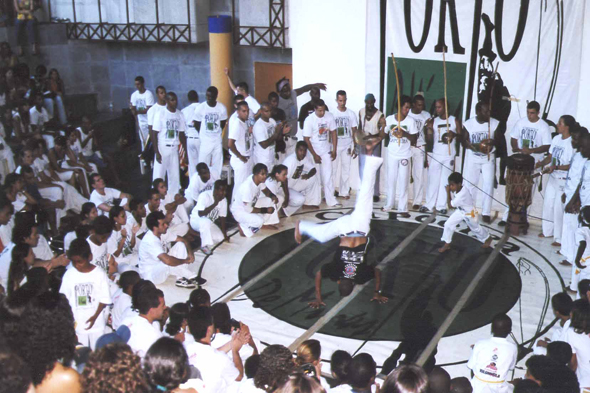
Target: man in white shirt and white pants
[
  {"x": 210, "y": 119},
  {"x": 141, "y": 101},
  {"x": 240, "y": 144},
  {"x": 346, "y": 125},
  {"x": 193, "y": 142},
  {"x": 266, "y": 132},
  {"x": 303, "y": 175},
  {"x": 211, "y": 205}
]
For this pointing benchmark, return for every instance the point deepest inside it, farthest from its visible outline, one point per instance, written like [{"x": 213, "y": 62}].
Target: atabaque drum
[{"x": 519, "y": 190}]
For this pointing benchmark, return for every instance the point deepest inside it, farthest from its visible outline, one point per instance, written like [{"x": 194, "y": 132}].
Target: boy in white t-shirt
[
  {"x": 168, "y": 131},
  {"x": 211, "y": 205},
  {"x": 403, "y": 133},
  {"x": 462, "y": 201},
  {"x": 266, "y": 132},
  {"x": 102, "y": 230},
  {"x": 239, "y": 143},
  {"x": 210, "y": 118},
  {"x": 87, "y": 288},
  {"x": 193, "y": 142},
  {"x": 346, "y": 125},
  {"x": 141, "y": 101},
  {"x": 201, "y": 181}
]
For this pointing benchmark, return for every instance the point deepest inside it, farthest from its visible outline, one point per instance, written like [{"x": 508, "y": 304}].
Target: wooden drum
[{"x": 519, "y": 191}]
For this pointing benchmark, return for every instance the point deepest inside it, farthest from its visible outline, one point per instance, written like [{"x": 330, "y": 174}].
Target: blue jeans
[{"x": 30, "y": 25}]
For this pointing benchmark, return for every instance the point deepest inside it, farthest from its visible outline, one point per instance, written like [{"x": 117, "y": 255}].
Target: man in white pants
[
  {"x": 156, "y": 263},
  {"x": 201, "y": 181},
  {"x": 419, "y": 163},
  {"x": 168, "y": 131},
  {"x": 442, "y": 161},
  {"x": 160, "y": 106},
  {"x": 250, "y": 210},
  {"x": 193, "y": 142},
  {"x": 316, "y": 129},
  {"x": 349, "y": 267},
  {"x": 212, "y": 204},
  {"x": 303, "y": 177},
  {"x": 266, "y": 132},
  {"x": 346, "y": 126},
  {"x": 462, "y": 201},
  {"x": 476, "y": 130},
  {"x": 402, "y": 134},
  {"x": 210, "y": 119},
  {"x": 240, "y": 144},
  {"x": 141, "y": 101}
]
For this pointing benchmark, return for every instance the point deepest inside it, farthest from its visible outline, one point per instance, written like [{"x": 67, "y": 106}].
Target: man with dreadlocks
[{"x": 349, "y": 266}]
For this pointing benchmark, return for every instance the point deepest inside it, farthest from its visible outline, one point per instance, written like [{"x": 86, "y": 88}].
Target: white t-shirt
[
  {"x": 38, "y": 118},
  {"x": 84, "y": 292},
  {"x": 141, "y": 101},
  {"x": 400, "y": 148},
  {"x": 440, "y": 128},
  {"x": 189, "y": 117},
  {"x": 420, "y": 119},
  {"x": 121, "y": 309},
  {"x": 131, "y": 222},
  {"x": 216, "y": 368},
  {"x": 262, "y": 131},
  {"x": 585, "y": 186},
  {"x": 492, "y": 359},
  {"x": 143, "y": 334},
  {"x": 238, "y": 131},
  {"x": 5, "y": 260},
  {"x": 246, "y": 195},
  {"x": 205, "y": 200},
  {"x": 252, "y": 103},
  {"x": 289, "y": 106},
  {"x": 197, "y": 186},
  {"x": 580, "y": 344},
  {"x": 251, "y": 119},
  {"x": 477, "y": 133},
  {"x": 318, "y": 130},
  {"x": 345, "y": 122},
  {"x": 113, "y": 245},
  {"x": 109, "y": 195},
  {"x": 87, "y": 150},
  {"x": 168, "y": 125},
  {"x": 574, "y": 175},
  {"x": 151, "y": 246},
  {"x": 532, "y": 134},
  {"x": 100, "y": 255},
  {"x": 153, "y": 111},
  {"x": 210, "y": 119},
  {"x": 582, "y": 234},
  {"x": 296, "y": 168},
  {"x": 561, "y": 151},
  {"x": 463, "y": 200}
]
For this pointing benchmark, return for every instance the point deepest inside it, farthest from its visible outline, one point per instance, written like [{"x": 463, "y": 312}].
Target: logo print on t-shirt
[
  {"x": 83, "y": 293},
  {"x": 491, "y": 369}
]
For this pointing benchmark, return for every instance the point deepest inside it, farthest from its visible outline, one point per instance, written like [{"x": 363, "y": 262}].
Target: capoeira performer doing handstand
[{"x": 349, "y": 266}]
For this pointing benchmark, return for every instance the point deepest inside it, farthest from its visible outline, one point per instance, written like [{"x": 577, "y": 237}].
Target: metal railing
[{"x": 272, "y": 36}]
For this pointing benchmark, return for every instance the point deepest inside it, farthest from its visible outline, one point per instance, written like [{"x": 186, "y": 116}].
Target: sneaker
[
  {"x": 198, "y": 281},
  {"x": 443, "y": 211},
  {"x": 502, "y": 223},
  {"x": 415, "y": 207},
  {"x": 206, "y": 250},
  {"x": 185, "y": 283},
  {"x": 424, "y": 209}
]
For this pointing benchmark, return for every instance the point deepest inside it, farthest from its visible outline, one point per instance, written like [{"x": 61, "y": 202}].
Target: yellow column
[{"x": 220, "y": 57}]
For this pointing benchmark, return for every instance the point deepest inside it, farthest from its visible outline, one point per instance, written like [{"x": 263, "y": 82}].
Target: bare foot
[
  {"x": 556, "y": 244},
  {"x": 487, "y": 242},
  {"x": 346, "y": 197},
  {"x": 297, "y": 233},
  {"x": 444, "y": 248},
  {"x": 273, "y": 227},
  {"x": 310, "y": 207},
  {"x": 541, "y": 235},
  {"x": 241, "y": 232},
  {"x": 404, "y": 215}
]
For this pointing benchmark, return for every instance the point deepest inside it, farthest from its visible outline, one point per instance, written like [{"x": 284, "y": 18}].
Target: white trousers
[
  {"x": 241, "y": 170},
  {"x": 143, "y": 132},
  {"x": 211, "y": 153},
  {"x": 455, "y": 219},
  {"x": 170, "y": 166},
  {"x": 360, "y": 219},
  {"x": 209, "y": 231},
  {"x": 192, "y": 152},
  {"x": 419, "y": 174},
  {"x": 398, "y": 174},
  {"x": 324, "y": 170},
  {"x": 568, "y": 231},
  {"x": 252, "y": 222},
  {"x": 310, "y": 189},
  {"x": 296, "y": 201},
  {"x": 439, "y": 170},
  {"x": 65, "y": 165},
  {"x": 55, "y": 194},
  {"x": 553, "y": 209},
  {"x": 376, "y": 153},
  {"x": 471, "y": 172},
  {"x": 343, "y": 160},
  {"x": 159, "y": 273}
]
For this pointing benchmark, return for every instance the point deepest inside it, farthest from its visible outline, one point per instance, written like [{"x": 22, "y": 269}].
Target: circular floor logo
[{"x": 422, "y": 284}]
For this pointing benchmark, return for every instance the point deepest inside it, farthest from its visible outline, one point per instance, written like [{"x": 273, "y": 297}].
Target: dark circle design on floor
[{"x": 422, "y": 285}]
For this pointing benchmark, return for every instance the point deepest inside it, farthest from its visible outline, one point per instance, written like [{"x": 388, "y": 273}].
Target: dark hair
[
  {"x": 251, "y": 366},
  {"x": 25, "y": 169},
  {"x": 417, "y": 97},
  {"x": 178, "y": 313},
  {"x": 83, "y": 231},
  {"x": 93, "y": 177},
  {"x": 405, "y": 379},
  {"x": 242, "y": 104},
  {"x": 128, "y": 278},
  {"x": 134, "y": 203},
  {"x": 170, "y": 95},
  {"x": 238, "y": 98},
  {"x": 301, "y": 383},
  {"x": 560, "y": 351},
  {"x": 479, "y": 105},
  {"x": 243, "y": 86},
  {"x": 405, "y": 100},
  {"x": 319, "y": 103},
  {"x": 114, "y": 368},
  {"x": 151, "y": 192},
  {"x": 570, "y": 122},
  {"x": 193, "y": 96},
  {"x": 345, "y": 286},
  {"x": 152, "y": 219},
  {"x": 86, "y": 209},
  {"x": 339, "y": 365},
  {"x": 527, "y": 386},
  {"x": 584, "y": 287},
  {"x": 114, "y": 213},
  {"x": 102, "y": 225},
  {"x": 340, "y": 93},
  {"x": 580, "y": 320},
  {"x": 199, "y": 298},
  {"x": 439, "y": 380},
  {"x": 79, "y": 247},
  {"x": 166, "y": 364},
  {"x": 277, "y": 169},
  {"x": 534, "y": 105},
  {"x": 456, "y": 178},
  {"x": 221, "y": 317},
  {"x": 276, "y": 364},
  {"x": 213, "y": 89},
  {"x": 15, "y": 376},
  {"x": 361, "y": 371},
  {"x": 501, "y": 325},
  {"x": 24, "y": 222},
  {"x": 160, "y": 88},
  {"x": 139, "y": 79},
  {"x": 538, "y": 366},
  {"x": 308, "y": 351},
  {"x": 39, "y": 329},
  {"x": 219, "y": 184},
  {"x": 201, "y": 166},
  {"x": 60, "y": 141},
  {"x": 18, "y": 267},
  {"x": 11, "y": 179},
  {"x": 259, "y": 168},
  {"x": 301, "y": 144},
  {"x": 145, "y": 296},
  {"x": 273, "y": 94},
  {"x": 157, "y": 182},
  {"x": 562, "y": 303},
  {"x": 199, "y": 319}
]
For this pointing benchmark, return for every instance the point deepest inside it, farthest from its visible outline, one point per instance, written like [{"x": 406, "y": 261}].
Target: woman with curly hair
[
  {"x": 276, "y": 364},
  {"x": 114, "y": 368},
  {"x": 177, "y": 322},
  {"x": 40, "y": 329},
  {"x": 167, "y": 368}
]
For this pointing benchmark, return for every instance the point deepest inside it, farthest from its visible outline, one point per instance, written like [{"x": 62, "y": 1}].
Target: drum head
[{"x": 522, "y": 162}]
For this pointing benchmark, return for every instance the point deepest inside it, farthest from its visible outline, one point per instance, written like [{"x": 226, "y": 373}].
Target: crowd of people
[{"x": 95, "y": 318}]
